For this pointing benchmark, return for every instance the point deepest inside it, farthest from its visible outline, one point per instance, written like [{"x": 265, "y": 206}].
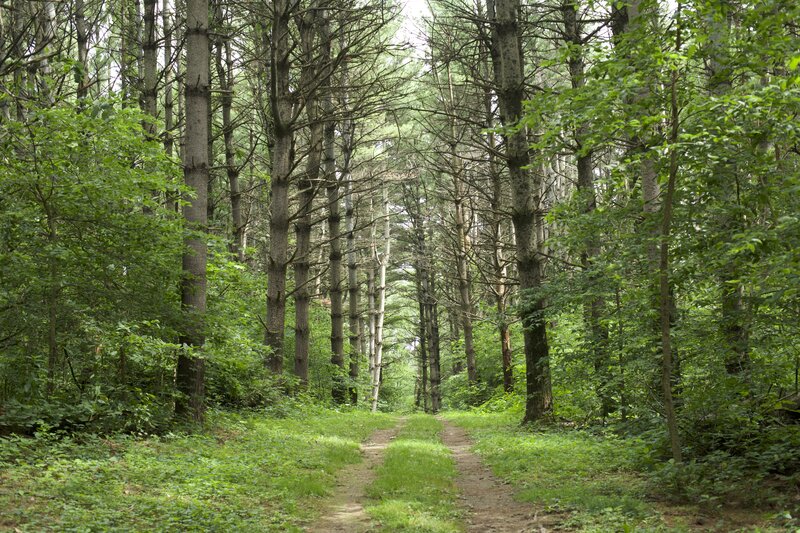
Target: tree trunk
[
  {"x": 526, "y": 189},
  {"x": 593, "y": 305},
  {"x": 383, "y": 263},
  {"x": 422, "y": 347},
  {"x": 224, "y": 65},
  {"x": 306, "y": 186},
  {"x": 53, "y": 292},
  {"x": 190, "y": 371},
  {"x": 150, "y": 68},
  {"x": 339, "y": 391},
  {"x": 665, "y": 287},
  {"x": 82, "y": 39},
  {"x": 462, "y": 238},
  {"x": 168, "y": 76},
  {"x": 354, "y": 320},
  {"x": 499, "y": 265},
  {"x": 433, "y": 345},
  {"x": 372, "y": 312},
  {"x": 282, "y": 162}
]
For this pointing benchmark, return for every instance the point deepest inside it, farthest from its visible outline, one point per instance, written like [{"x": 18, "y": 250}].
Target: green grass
[
  {"x": 414, "y": 490},
  {"x": 588, "y": 481},
  {"x": 245, "y": 473}
]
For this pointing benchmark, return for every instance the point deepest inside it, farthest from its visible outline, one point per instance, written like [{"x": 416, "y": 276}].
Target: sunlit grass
[
  {"x": 414, "y": 490},
  {"x": 246, "y": 473}
]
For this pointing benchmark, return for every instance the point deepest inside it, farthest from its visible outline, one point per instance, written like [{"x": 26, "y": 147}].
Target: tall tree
[
  {"x": 190, "y": 372},
  {"x": 526, "y": 191},
  {"x": 308, "y": 27},
  {"x": 282, "y": 162},
  {"x": 382, "y": 260},
  {"x": 332, "y": 187}
]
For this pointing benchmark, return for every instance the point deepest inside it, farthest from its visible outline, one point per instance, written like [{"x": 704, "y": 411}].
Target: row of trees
[
  {"x": 277, "y": 126},
  {"x": 588, "y": 209},
  {"x": 646, "y": 157}
]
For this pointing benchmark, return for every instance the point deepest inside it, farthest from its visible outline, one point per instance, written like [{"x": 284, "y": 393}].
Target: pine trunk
[
  {"x": 383, "y": 263},
  {"x": 525, "y": 188},
  {"x": 190, "y": 371},
  {"x": 282, "y": 162}
]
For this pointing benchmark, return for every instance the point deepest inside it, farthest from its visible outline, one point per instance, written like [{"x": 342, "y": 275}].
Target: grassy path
[
  {"x": 489, "y": 503},
  {"x": 344, "y": 510},
  {"x": 584, "y": 482},
  {"x": 423, "y": 475},
  {"x": 415, "y": 489}
]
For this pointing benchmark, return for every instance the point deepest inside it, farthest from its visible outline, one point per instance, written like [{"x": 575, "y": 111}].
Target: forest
[{"x": 441, "y": 266}]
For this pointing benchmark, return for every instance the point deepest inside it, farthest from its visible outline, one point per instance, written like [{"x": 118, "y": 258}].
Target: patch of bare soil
[
  {"x": 344, "y": 510},
  {"x": 489, "y": 503}
]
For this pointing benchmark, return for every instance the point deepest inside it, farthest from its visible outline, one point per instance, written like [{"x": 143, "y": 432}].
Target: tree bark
[
  {"x": 82, "y": 39},
  {"x": 339, "y": 390},
  {"x": 190, "y": 371},
  {"x": 383, "y": 263},
  {"x": 282, "y": 162},
  {"x": 225, "y": 74},
  {"x": 150, "y": 68},
  {"x": 665, "y": 287},
  {"x": 169, "y": 140},
  {"x": 354, "y": 320},
  {"x": 462, "y": 243},
  {"x": 306, "y": 185},
  {"x": 526, "y": 189},
  {"x": 433, "y": 345},
  {"x": 500, "y": 288}
]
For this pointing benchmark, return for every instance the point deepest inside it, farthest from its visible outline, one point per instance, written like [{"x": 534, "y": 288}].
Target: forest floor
[{"x": 326, "y": 471}]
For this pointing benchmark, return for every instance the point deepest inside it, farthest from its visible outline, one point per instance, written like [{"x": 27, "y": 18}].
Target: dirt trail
[
  {"x": 344, "y": 511},
  {"x": 489, "y": 503}
]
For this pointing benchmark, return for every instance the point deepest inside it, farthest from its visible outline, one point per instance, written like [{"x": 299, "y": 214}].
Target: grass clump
[
  {"x": 414, "y": 491},
  {"x": 243, "y": 473}
]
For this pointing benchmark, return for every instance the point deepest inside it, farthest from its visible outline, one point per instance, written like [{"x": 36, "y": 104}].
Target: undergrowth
[
  {"x": 591, "y": 482},
  {"x": 244, "y": 472}
]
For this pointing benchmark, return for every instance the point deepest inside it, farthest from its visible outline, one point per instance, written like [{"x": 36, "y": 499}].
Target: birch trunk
[{"x": 383, "y": 262}]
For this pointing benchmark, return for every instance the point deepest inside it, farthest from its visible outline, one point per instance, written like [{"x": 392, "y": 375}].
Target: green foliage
[
  {"x": 244, "y": 472},
  {"x": 733, "y": 246},
  {"x": 236, "y": 375},
  {"x": 86, "y": 253}
]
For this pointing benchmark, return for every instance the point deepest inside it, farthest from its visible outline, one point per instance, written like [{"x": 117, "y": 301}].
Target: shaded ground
[
  {"x": 344, "y": 511},
  {"x": 489, "y": 502}
]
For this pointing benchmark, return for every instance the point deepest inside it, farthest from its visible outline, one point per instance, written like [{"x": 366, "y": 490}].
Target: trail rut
[
  {"x": 489, "y": 504},
  {"x": 344, "y": 511}
]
